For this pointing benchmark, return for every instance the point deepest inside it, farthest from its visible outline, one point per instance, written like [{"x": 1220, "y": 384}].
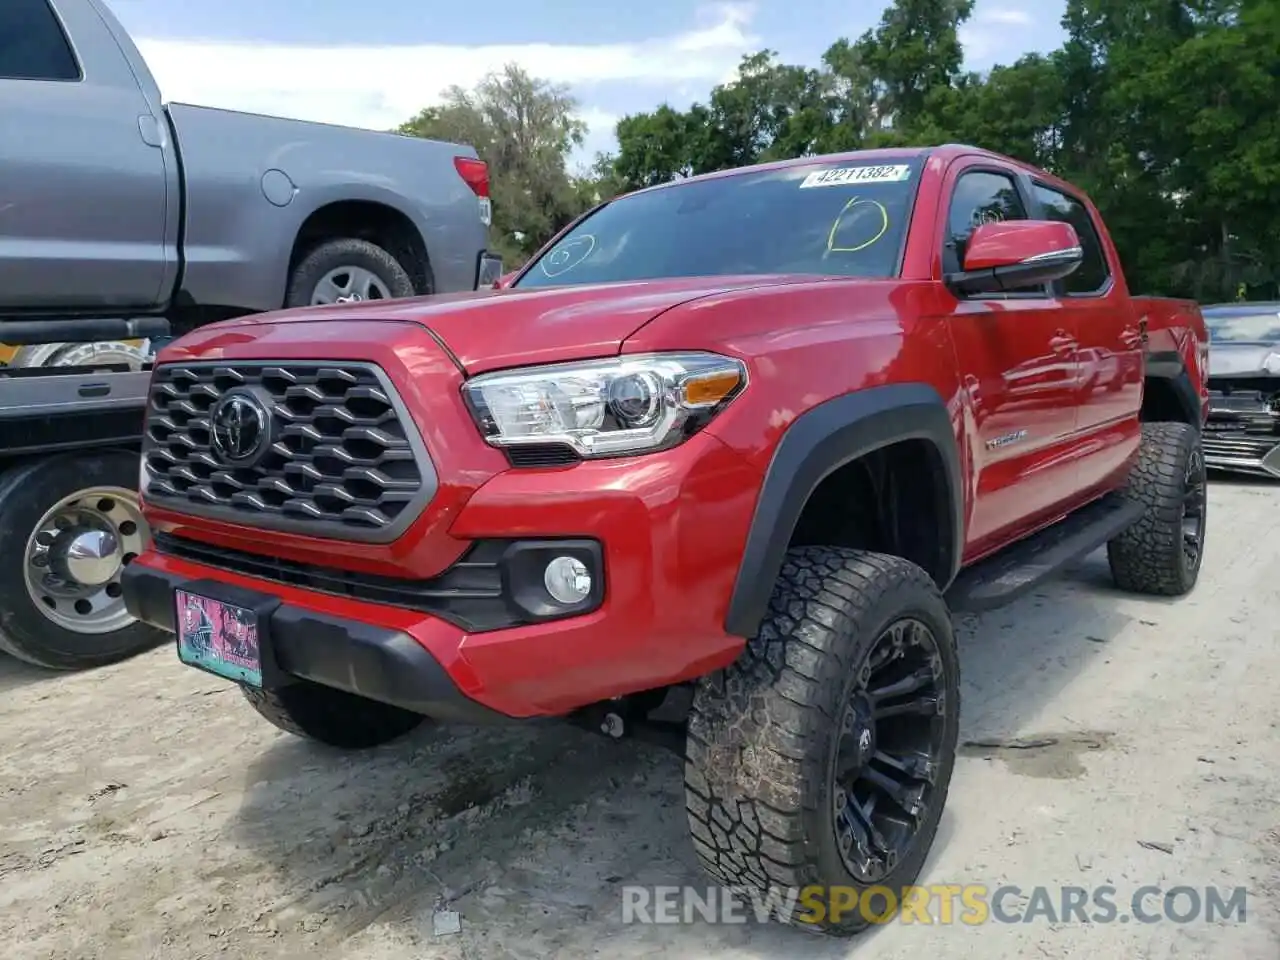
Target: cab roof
[{"x": 944, "y": 152}]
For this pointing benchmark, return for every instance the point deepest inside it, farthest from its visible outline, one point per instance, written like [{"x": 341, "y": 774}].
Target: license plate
[{"x": 219, "y": 637}]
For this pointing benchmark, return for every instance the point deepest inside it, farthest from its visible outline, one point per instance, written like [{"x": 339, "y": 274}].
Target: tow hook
[
  {"x": 629, "y": 717},
  {"x": 613, "y": 726}
]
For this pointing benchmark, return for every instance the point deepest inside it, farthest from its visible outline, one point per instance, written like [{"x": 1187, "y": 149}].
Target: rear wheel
[
  {"x": 347, "y": 271},
  {"x": 73, "y": 523},
  {"x": 823, "y": 756},
  {"x": 1161, "y": 554},
  {"x": 332, "y": 717}
]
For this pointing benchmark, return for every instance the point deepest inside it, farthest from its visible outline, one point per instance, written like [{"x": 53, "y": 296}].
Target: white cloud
[
  {"x": 599, "y": 137},
  {"x": 996, "y": 34},
  {"x": 382, "y": 86}
]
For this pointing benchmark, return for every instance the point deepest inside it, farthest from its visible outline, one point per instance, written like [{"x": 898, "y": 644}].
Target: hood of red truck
[{"x": 492, "y": 329}]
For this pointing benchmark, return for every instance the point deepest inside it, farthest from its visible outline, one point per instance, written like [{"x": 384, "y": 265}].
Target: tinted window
[
  {"x": 1093, "y": 272},
  {"x": 836, "y": 219},
  {"x": 1243, "y": 326},
  {"x": 32, "y": 45},
  {"x": 979, "y": 197}
]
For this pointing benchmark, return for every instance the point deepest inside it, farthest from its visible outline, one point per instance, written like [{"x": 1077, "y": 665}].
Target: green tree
[
  {"x": 883, "y": 89},
  {"x": 1164, "y": 111},
  {"x": 525, "y": 129},
  {"x": 1172, "y": 125},
  {"x": 909, "y": 61}
]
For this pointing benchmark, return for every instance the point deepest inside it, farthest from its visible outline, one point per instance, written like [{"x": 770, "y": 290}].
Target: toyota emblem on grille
[{"x": 238, "y": 427}]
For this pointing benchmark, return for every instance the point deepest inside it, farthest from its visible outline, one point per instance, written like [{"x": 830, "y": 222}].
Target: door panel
[
  {"x": 1111, "y": 348},
  {"x": 82, "y": 195},
  {"x": 1021, "y": 356},
  {"x": 1017, "y": 354}
]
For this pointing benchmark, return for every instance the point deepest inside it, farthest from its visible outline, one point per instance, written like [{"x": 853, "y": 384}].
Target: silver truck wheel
[
  {"x": 349, "y": 285},
  {"x": 347, "y": 271},
  {"x": 82, "y": 354},
  {"x": 73, "y": 524},
  {"x": 76, "y": 554}
]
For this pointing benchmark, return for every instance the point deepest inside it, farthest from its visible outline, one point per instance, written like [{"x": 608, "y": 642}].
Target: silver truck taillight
[{"x": 476, "y": 174}]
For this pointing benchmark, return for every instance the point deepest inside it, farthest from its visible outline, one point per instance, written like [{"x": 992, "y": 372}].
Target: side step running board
[{"x": 1016, "y": 570}]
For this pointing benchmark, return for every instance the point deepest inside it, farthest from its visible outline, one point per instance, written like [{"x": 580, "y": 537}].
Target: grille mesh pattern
[{"x": 340, "y": 463}]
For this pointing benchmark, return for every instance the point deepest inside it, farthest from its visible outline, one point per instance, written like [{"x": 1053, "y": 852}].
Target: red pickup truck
[{"x": 751, "y": 436}]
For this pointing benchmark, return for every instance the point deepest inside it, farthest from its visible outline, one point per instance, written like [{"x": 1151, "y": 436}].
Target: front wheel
[
  {"x": 1162, "y": 552},
  {"x": 822, "y": 757},
  {"x": 71, "y": 524}
]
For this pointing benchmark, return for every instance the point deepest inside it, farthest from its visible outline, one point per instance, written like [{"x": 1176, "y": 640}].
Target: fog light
[{"x": 567, "y": 580}]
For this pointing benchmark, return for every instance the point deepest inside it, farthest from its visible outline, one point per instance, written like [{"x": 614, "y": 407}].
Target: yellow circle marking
[{"x": 835, "y": 226}]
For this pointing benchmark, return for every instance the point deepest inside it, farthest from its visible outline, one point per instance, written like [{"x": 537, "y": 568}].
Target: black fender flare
[
  {"x": 817, "y": 443},
  {"x": 1167, "y": 365}
]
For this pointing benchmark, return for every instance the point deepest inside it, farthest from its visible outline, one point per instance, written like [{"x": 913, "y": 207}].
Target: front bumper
[
  {"x": 671, "y": 527},
  {"x": 367, "y": 659}
]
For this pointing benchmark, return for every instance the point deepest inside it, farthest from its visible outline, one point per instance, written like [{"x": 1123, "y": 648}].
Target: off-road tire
[
  {"x": 27, "y": 492},
  {"x": 346, "y": 252},
  {"x": 762, "y": 732},
  {"x": 1149, "y": 557},
  {"x": 332, "y": 717}
]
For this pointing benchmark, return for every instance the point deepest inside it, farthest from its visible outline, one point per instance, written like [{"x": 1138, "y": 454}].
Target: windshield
[
  {"x": 1242, "y": 327},
  {"x": 843, "y": 219}
]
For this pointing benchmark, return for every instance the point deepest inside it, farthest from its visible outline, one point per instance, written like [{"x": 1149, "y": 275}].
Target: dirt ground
[{"x": 146, "y": 812}]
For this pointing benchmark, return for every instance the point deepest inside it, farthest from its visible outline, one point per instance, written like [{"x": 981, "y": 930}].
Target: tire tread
[
  {"x": 756, "y": 726},
  {"x": 1147, "y": 558}
]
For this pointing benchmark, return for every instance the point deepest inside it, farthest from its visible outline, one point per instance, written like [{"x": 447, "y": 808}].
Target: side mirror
[
  {"x": 504, "y": 281},
  {"x": 1016, "y": 254}
]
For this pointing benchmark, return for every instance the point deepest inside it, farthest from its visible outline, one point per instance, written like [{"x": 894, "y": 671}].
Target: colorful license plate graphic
[{"x": 219, "y": 637}]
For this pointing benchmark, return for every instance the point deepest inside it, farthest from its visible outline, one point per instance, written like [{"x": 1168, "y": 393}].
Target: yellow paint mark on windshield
[{"x": 879, "y": 208}]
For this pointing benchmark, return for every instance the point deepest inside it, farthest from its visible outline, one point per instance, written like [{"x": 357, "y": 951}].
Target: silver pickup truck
[
  {"x": 124, "y": 219},
  {"x": 114, "y": 204}
]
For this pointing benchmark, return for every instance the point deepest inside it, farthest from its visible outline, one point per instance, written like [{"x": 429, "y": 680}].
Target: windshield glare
[
  {"x": 1243, "y": 327},
  {"x": 843, "y": 219}
]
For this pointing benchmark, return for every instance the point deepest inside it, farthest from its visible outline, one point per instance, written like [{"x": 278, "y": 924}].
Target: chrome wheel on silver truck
[
  {"x": 76, "y": 554},
  {"x": 349, "y": 285},
  {"x": 131, "y": 354},
  {"x": 73, "y": 524},
  {"x": 347, "y": 271}
]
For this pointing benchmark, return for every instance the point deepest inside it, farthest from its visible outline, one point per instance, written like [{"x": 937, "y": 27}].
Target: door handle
[
  {"x": 1131, "y": 337},
  {"x": 1062, "y": 342}
]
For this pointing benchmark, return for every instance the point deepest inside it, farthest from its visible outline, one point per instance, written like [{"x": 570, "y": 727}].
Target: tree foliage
[
  {"x": 1166, "y": 111},
  {"x": 524, "y": 128}
]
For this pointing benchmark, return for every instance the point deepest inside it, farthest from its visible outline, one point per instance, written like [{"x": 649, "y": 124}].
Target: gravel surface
[{"x": 146, "y": 811}]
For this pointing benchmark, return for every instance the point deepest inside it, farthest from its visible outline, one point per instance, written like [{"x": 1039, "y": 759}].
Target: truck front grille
[{"x": 338, "y": 457}]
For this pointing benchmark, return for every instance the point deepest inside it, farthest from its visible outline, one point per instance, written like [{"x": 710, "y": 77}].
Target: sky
[{"x": 376, "y": 63}]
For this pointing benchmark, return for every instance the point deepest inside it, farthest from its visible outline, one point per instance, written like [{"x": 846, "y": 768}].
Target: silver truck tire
[
  {"x": 71, "y": 524},
  {"x": 347, "y": 271}
]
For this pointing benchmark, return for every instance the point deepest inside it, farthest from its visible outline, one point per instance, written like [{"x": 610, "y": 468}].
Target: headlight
[{"x": 604, "y": 408}]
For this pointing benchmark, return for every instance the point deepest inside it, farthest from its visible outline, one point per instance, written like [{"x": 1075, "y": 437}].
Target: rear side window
[
  {"x": 32, "y": 44},
  {"x": 1092, "y": 274},
  {"x": 979, "y": 197}
]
